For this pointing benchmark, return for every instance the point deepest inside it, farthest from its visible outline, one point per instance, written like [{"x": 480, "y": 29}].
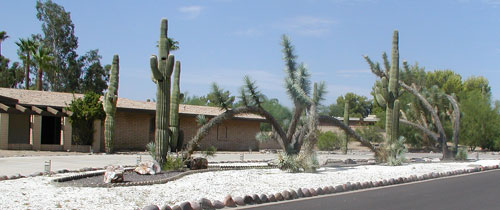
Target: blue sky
[{"x": 223, "y": 40}]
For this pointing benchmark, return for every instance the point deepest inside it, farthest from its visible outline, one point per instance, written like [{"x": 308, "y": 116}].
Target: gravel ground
[
  {"x": 39, "y": 193},
  {"x": 129, "y": 176}
]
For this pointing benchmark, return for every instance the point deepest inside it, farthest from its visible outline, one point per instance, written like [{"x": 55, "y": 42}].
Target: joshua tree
[
  {"x": 26, "y": 47},
  {"x": 110, "y": 99},
  {"x": 161, "y": 70},
  {"x": 42, "y": 59},
  {"x": 3, "y": 36}
]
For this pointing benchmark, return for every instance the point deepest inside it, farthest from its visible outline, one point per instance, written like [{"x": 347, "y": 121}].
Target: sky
[{"x": 223, "y": 40}]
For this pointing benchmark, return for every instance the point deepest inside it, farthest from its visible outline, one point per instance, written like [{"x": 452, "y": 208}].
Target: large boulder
[
  {"x": 113, "y": 174},
  {"x": 150, "y": 167},
  {"x": 198, "y": 163}
]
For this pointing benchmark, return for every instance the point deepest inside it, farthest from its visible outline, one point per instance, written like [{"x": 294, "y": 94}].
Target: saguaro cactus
[
  {"x": 110, "y": 100},
  {"x": 174, "y": 108},
  {"x": 346, "y": 122},
  {"x": 161, "y": 70}
]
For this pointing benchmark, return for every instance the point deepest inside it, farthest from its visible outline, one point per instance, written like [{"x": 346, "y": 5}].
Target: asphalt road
[{"x": 475, "y": 191}]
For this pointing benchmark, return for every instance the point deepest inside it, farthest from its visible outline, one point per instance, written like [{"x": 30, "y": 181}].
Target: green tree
[
  {"x": 329, "y": 141},
  {"x": 95, "y": 75},
  {"x": 10, "y": 76},
  {"x": 3, "y": 36},
  {"x": 359, "y": 106},
  {"x": 26, "y": 48},
  {"x": 85, "y": 111},
  {"x": 58, "y": 35},
  {"x": 280, "y": 112},
  {"x": 477, "y": 83},
  {"x": 42, "y": 59},
  {"x": 480, "y": 123},
  {"x": 194, "y": 100},
  {"x": 447, "y": 80}
]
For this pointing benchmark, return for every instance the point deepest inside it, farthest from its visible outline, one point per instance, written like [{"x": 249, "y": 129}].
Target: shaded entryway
[
  {"x": 51, "y": 130},
  {"x": 19, "y": 129}
]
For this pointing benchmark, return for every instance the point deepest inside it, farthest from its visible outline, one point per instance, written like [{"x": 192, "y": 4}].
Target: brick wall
[{"x": 132, "y": 130}]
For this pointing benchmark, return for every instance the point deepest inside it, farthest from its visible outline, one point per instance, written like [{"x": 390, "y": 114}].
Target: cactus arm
[
  {"x": 175, "y": 98},
  {"x": 155, "y": 73}
]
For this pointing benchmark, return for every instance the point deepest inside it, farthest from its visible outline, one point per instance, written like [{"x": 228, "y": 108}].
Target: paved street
[{"x": 476, "y": 191}]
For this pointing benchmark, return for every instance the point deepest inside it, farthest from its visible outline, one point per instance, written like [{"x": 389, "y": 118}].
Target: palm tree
[
  {"x": 3, "y": 36},
  {"x": 26, "y": 46},
  {"x": 42, "y": 58}
]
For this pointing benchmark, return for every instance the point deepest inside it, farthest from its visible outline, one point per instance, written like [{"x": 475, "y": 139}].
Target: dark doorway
[{"x": 51, "y": 130}]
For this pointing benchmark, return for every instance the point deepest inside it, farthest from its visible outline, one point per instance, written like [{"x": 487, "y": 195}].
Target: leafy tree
[
  {"x": 359, "y": 106},
  {"x": 479, "y": 126},
  {"x": 446, "y": 80},
  {"x": 194, "y": 100},
  {"x": 280, "y": 112},
  {"x": 42, "y": 59},
  {"x": 26, "y": 48},
  {"x": 95, "y": 75},
  {"x": 10, "y": 76},
  {"x": 59, "y": 37},
  {"x": 85, "y": 111},
  {"x": 3, "y": 36},
  {"x": 477, "y": 83}
]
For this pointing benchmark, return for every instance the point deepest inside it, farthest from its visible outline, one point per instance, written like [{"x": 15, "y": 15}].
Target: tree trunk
[
  {"x": 39, "y": 84},
  {"x": 455, "y": 122},
  {"x": 27, "y": 72}
]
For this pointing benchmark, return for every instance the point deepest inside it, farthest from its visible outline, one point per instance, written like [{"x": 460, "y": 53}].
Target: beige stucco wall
[{"x": 19, "y": 129}]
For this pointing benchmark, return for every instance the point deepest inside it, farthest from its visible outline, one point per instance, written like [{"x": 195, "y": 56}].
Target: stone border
[{"x": 305, "y": 192}]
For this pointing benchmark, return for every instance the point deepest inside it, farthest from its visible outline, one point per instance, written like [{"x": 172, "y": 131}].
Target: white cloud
[
  {"x": 191, "y": 11},
  {"x": 308, "y": 25}
]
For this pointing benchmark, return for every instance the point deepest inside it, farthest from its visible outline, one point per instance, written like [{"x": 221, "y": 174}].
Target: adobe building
[
  {"x": 38, "y": 120},
  {"x": 354, "y": 123}
]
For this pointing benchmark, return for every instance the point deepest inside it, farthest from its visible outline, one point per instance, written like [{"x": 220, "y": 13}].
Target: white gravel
[{"x": 39, "y": 193}]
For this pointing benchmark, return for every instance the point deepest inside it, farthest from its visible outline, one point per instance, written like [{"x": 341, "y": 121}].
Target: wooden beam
[
  {"x": 5, "y": 107},
  {"x": 40, "y": 111},
  {"x": 54, "y": 111},
  {"x": 69, "y": 113},
  {"x": 23, "y": 109}
]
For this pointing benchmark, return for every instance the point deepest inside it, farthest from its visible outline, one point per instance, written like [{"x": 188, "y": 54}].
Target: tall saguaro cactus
[
  {"x": 174, "y": 107},
  {"x": 161, "y": 70},
  {"x": 110, "y": 100},
  {"x": 387, "y": 95},
  {"x": 346, "y": 122}
]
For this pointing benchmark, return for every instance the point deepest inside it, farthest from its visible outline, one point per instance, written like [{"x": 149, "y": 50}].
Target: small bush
[
  {"x": 461, "y": 154},
  {"x": 210, "y": 151},
  {"x": 371, "y": 133},
  {"x": 173, "y": 162},
  {"x": 396, "y": 151},
  {"x": 150, "y": 147},
  {"x": 85, "y": 111},
  {"x": 328, "y": 141},
  {"x": 298, "y": 163}
]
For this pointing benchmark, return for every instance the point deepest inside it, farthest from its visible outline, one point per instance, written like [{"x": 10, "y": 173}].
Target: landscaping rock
[
  {"x": 195, "y": 205},
  {"x": 186, "y": 206},
  {"x": 306, "y": 192},
  {"x": 198, "y": 163},
  {"x": 271, "y": 198},
  {"x": 263, "y": 198},
  {"x": 218, "y": 204},
  {"x": 286, "y": 195},
  {"x": 176, "y": 207},
  {"x": 256, "y": 199},
  {"x": 319, "y": 191},
  {"x": 165, "y": 207},
  {"x": 151, "y": 207},
  {"x": 62, "y": 171},
  {"x": 205, "y": 204},
  {"x": 358, "y": 185},
  {"x": 278, "y": 196},
  {"x": 349, "y": 161},
  {"x": 4, "y": 178},
  {"x": 248, "y": 199},
  {"x": 113, "y": 174},
  {"x": 331, "y": 189},
  {"x": 239, "y": 201},
  {"x": 300, "y": 193},
  {"x": 339, "y": 188},
  {"x": 326, "y": 190},
  {"x": 294, "y": 195},
  {"x": 229, "y": 202},
  {"x": 150, "y": 167}
]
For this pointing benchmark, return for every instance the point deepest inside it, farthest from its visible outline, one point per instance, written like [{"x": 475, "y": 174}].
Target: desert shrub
[
  {"x": 461, "y": 154},
  {"x": 150, "y": 147},
  {"x": 85, "y": 111},
  {"x": 370, "y": 133},
  {"x": 396, "y": 151},
  {"x": 298, "y": 163},
  {"x": 173, "y": 162},
  {"x": 210, "y": 151},
  {"x": 328, "y": 141}
]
